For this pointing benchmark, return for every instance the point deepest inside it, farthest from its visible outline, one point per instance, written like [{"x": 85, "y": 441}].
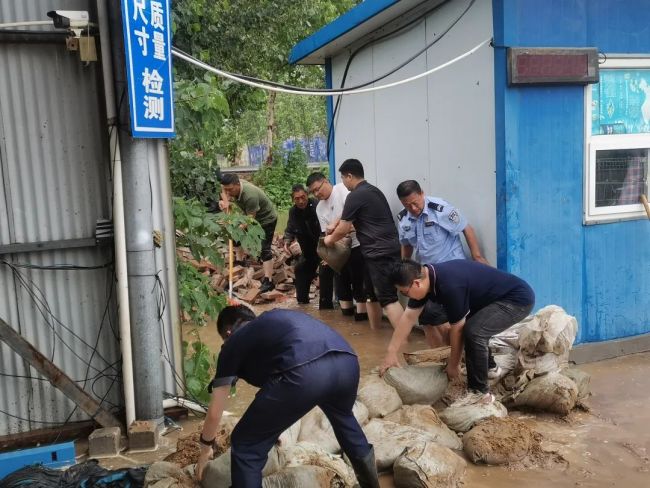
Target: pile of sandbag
[{"x": 534, "y": 356}]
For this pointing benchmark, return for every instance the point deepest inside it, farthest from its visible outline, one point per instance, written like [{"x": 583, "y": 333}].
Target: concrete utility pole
[{"x": 143, "y": 290}]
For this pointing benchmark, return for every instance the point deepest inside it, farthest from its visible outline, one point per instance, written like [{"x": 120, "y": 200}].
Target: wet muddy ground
[{"x": 608, "y": 446}]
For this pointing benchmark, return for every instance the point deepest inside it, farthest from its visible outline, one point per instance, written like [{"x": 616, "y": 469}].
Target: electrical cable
[{"x": 58, "y": 267}]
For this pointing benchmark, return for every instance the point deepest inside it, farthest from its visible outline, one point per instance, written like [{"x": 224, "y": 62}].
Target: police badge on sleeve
[{"x": 454, "y": 216}]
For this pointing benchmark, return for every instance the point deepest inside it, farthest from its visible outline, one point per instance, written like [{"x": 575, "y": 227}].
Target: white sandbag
[
  {"x": 303, "y": 477},
  {"x": 290, "y": 436},
  {"x": 316, "y": 428},
  {"x": 167, "y": 475},
  {"x": 552, "y": 392},
  {"x": 428, "y": 465},
  {"x": 379, "y": 397},
  {"x": 217, "y": 471},
  {"x": 424, "y": 417},
  {"x": 463, "y": 418},
  {"x": 581, "y": 379},
  {"x": 307, "y": 454},
  {"x": 497, "y": 441},
  {"x": 423, "y": 385},
  {"x": 390, "y": 439},
  {"x": 550, "y": 330}
]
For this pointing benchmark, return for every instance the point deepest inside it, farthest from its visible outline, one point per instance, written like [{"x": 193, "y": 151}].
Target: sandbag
[
  {"x": 428, "y": 465},
  {"x": 425, "y": 418},
  {"x": 463, "y": 418},
  {"x": 335, "y": 256},
  {"x": 307, "y": 454},
  {"x": 552, "y": 392},
  {"x": 167, "y": 475},
  {"x": 217, "y": 471},
  {"x": 581, "y": 379},
  {"x": 435, "y": 355},
  {"x": 290, "y": 436},
  {"x": 316, "y": 428},
  {"x": 303, "y": 477},
  {"x": 379, "y": 397},
  {"x": 498, "y": 441},
  {"x": 424, "y": 384},
  {"x": 390, "y": 439}
]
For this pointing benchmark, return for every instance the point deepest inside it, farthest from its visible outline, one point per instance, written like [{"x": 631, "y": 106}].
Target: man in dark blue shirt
[
  {"x": 298, "y": 363},
  {"x": 480, "y": 302}
]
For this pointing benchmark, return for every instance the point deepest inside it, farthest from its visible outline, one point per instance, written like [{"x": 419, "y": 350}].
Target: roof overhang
[{"x": 358, "y": 22}]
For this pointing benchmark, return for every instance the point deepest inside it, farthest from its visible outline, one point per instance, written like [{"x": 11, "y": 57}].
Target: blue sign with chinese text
[{"x": 147, "y": 45}]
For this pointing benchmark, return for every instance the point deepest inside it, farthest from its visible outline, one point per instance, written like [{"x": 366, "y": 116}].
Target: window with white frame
[{"x": 617, "y": 141}]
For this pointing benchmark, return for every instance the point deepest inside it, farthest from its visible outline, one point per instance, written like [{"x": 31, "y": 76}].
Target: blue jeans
[
  {"x": 485, "y": 323},
  {"x": 329, "y": 382}
]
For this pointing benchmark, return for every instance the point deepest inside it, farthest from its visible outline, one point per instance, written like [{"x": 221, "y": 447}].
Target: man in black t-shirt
[
  {"x": 480, "y": 302},
  {"x": 367, "y": 209}
]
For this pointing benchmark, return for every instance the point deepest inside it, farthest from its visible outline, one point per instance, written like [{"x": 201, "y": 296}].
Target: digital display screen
[{"x": 551, "y": 65}]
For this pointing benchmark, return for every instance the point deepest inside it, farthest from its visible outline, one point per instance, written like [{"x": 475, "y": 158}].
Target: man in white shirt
[{"x": 350, "y": 282}]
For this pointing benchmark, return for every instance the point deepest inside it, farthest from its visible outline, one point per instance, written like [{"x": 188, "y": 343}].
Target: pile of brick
[{"x": 247, "y": 278}]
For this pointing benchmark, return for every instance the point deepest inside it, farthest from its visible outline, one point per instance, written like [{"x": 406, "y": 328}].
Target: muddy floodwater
[{"x": 608, "y": 446}]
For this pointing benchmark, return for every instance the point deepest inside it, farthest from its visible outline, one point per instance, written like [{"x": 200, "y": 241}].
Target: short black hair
[
  {"x": 229, "y": 179},
  {"x": 297, "y": 187},
  {"x": 353, "y": 167},
  {"x": 408, "y": 187},
  {"x": 403, "y": 272},
  {"x": 314, "y": 177},
  {"x": 232, "y": 316}
]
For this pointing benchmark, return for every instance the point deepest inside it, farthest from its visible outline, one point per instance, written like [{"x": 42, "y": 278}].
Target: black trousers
[
  {"x": 485, "y": 323},
  {"x": 305, "y": 270},
  {"x": 350, "y": 282},
  {"x": 329, "y": 382}
]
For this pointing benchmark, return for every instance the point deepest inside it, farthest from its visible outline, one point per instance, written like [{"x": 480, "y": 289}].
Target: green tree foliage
[{"x": 278, "y": 178}]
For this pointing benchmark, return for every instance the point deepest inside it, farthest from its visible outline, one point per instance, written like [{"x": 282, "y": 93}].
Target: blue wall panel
[{"x": 599, "y": 273}]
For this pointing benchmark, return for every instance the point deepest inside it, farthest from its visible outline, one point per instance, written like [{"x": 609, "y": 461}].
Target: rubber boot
[{"x": 366, "y": 470}]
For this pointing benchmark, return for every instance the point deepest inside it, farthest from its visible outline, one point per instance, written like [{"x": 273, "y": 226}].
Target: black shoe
[
  {"x": 366, "y": 470},
  {"x": 360, "y": 317},
  {"x": 348, "y": 311},
  {"x": 267, "y": 285},
  {"x": 325, "y": 306}
]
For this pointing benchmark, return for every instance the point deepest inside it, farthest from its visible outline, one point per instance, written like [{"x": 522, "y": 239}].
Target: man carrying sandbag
[
  {"x": 350, "y": 279},
  {"x": 480, "y": 301},
  {"x": 298, "y": 363}
]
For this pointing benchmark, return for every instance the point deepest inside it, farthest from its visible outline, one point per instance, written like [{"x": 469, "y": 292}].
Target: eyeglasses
[{"x": 316, "y": 190}]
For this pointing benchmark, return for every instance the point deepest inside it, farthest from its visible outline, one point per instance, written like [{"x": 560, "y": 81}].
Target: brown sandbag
[
  {"x": 498, "y": 441},
  {"x": 316, "y": 428},
  {"x": 378, "y": 396},
  {"x": 335, "y": 256},
  {"x": 424, "y": 417},
  {"x": 390, "y": 439},
  {"x": 308, "y": 454},
  {"x": 423, "y": 384},
  {"x": 303, "y": 477},
  {"x": 461, "y": 419},
  {"x": 552, "y": 392},
  {"x": 435, "y": 355},
  {"x": 428, "y": 465},
  {"x": 290, "y": 436}
]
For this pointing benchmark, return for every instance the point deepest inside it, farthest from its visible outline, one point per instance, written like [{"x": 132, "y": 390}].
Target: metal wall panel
[
  {"x": 438, "y": 130},
  {"x": 54, "y": 173}
]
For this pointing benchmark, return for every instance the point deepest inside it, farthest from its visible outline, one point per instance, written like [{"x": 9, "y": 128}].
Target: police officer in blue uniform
[
  {"x": 431, "y": 228},
  {"x": 298, "y": 363}
]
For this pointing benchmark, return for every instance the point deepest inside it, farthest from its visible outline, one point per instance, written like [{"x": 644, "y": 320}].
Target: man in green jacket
[{"x": 253, "y": 202}]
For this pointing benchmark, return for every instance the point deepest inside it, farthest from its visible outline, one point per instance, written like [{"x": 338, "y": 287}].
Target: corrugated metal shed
[{"x": 54, "y": 185}]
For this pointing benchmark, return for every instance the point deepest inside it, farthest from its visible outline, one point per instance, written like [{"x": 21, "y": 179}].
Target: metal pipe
[
  {"x": 25, "y": 23},
  {"x": 118, "y": 215},
  {"x": 32, "y": 37}
]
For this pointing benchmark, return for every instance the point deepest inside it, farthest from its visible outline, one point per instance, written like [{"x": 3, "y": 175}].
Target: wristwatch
[{"x": 205, "y": 442}]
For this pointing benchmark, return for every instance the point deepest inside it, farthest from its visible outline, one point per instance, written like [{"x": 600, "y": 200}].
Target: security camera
[{"x": 70, "y": 19}]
